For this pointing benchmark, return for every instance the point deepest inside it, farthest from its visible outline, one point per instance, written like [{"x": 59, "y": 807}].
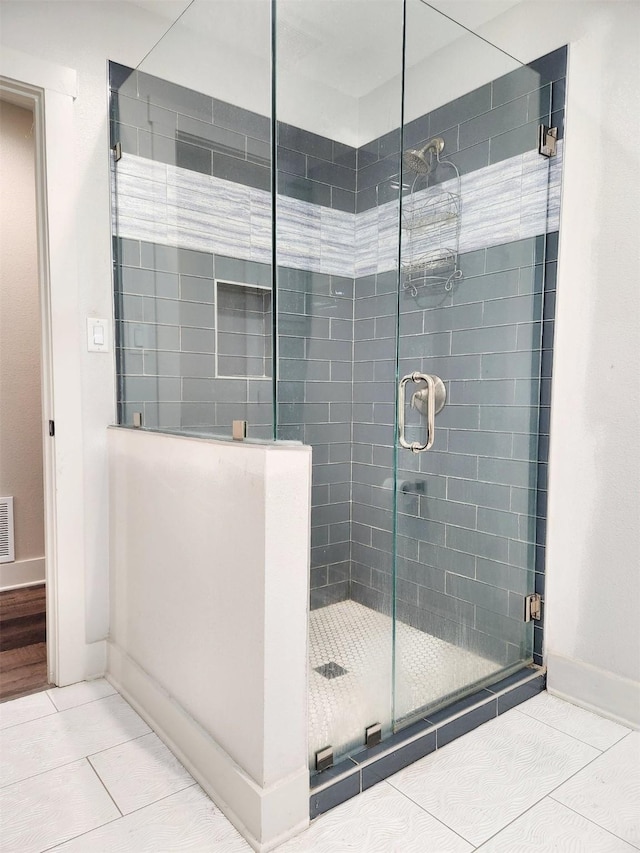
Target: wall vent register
[{"x": 7, "y": 541}]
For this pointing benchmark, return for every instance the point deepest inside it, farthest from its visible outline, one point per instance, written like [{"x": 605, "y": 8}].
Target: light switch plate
[{"x": 98, "y": 334}]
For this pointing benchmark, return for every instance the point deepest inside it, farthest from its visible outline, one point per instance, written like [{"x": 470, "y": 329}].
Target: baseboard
[
  {"x": 22, "y": 573},
  {"x": 263, "y": 816},
  {"x": 594, "y": 689}
]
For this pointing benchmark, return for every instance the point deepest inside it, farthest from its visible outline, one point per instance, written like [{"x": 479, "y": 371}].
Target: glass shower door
[
  {"x": 469, "y": 349},
  {"x": 420, "y": 561},
  {"x": 338, "y": 105}
]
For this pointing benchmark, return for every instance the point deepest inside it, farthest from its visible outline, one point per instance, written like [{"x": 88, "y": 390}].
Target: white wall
[
  {"x": 20, "y": 389},
  {"x": 593, "y": 557},
  {"x": 81, "y": 36},
  {"x": 593, "y": 640},
  {"x": 210, "y": 588},
  {"x": 443, "y": 61}
]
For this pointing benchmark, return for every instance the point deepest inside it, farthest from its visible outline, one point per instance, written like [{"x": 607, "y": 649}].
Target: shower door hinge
[
  {"x": 117, "y": 152},
  {"x": 547, "y": 140},
  {"x": 532, "y": 607}
]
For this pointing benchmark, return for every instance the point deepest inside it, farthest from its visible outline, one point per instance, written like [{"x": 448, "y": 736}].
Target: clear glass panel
[
  {"x": 192, "y": 223},
  {"x": 474, "y": 210},
  {"x": 420, "y": 562},
  {"x": 338, "y": 102}
]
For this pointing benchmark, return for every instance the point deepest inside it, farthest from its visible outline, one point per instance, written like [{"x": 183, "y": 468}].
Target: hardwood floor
[
  {"x": 23, "y": 650},
  {"x": 23, "y": 671}
]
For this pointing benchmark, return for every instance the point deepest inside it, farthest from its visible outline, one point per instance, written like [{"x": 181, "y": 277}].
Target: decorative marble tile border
[
  {"x": 364, "y": 769},
  {"x": 160, "y": 203},
  {"x": 510, "y": 200}
]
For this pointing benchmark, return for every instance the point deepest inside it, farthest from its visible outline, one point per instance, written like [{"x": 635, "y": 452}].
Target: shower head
[
  {"x": 415, "y": 161},
  {"x": 418, "y": 160}
]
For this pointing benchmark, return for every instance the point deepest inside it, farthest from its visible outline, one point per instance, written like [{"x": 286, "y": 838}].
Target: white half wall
[{"x": 209, "y": 602}]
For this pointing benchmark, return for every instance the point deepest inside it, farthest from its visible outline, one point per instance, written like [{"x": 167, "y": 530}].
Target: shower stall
[{"x": 335, "y": 223}]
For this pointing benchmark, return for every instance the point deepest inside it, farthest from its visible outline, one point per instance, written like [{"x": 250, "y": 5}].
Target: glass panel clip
[
  {"x": 373, "y": 735},
  {"x": 324, "y": 758},
  {"x": 239, "y": 430}
]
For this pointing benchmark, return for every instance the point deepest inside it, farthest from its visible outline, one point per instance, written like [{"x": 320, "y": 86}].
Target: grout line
[
  {"x": 24, "y": 722},
  {"x": 549, "y": 795},
  {"x": 594, "y": 822},
  {"x": 573, "y": 775},
  {"x": 193, "y": 784},
  {"x": 74, "y": 760},
  {"x": 561, "y": 731},
  {"x": 80, "y": 835},
  {"x": 533, "y": 806},
  {"x": 411, "y": 800},
  {"x": 100, "y": 779},
  {"x": 41, "y": 773},
  {"x": 546, "y": 796},
  {"x": 80, "y": 704},
  {"x": 131, "y": 740},
  {"x": 139, "y": 737}
]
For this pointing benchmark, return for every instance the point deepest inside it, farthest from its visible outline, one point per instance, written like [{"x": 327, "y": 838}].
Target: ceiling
[
  {"x": 352, "y": 46},
  {"x": 333, "y": 57}
]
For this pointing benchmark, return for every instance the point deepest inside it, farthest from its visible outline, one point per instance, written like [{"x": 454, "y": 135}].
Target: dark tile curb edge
[{"x": 358, "y": 773}]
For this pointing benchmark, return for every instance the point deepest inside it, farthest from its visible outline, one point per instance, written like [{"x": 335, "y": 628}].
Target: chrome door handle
[{"x": 435, "y": 394}]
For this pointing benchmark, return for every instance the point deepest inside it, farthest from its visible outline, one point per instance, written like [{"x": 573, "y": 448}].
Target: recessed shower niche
[
  {"x": 360, "y": 236},
  {"x": 243, "y": 330}
]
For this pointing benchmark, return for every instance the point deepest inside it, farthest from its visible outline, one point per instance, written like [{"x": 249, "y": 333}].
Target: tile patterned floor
[
  {"x": 80, "y": 771},
  {"x": 359, "y": 639}
]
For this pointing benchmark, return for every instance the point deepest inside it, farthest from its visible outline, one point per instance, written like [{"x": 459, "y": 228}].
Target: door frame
[
  {"x": 50, "y": 90},
  {"x": 32, "y": 98}
]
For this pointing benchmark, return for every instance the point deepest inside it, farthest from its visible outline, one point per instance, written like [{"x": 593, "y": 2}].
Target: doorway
[{"x": 23, "y": 650}]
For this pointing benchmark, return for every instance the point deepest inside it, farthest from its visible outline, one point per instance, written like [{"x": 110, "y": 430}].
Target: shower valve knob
[{"x": 420, "y": 400}]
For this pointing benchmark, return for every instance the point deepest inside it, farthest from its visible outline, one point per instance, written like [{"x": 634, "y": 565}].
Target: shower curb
[{"x": 370, "y": 766}]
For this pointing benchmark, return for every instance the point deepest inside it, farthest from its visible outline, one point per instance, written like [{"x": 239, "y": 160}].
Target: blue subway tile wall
[
  {"x": 471, "y": 520},
  {"x": 165, "y": 122},
  {"x": 161, "y": 121},
  {"x": 315, "y": 325},
  {"x": 165, "y": 311},
  {"x": 493, "y": 123}
]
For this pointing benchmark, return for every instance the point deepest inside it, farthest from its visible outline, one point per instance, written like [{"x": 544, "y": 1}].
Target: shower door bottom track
[{"x": 364, "y": 769}]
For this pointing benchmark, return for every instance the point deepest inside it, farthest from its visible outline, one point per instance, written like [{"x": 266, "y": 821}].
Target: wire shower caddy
[{"x": 431, "y": 221}]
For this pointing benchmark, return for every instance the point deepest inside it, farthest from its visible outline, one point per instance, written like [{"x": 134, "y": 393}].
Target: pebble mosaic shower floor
[{"x": 357, "y": 639}]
